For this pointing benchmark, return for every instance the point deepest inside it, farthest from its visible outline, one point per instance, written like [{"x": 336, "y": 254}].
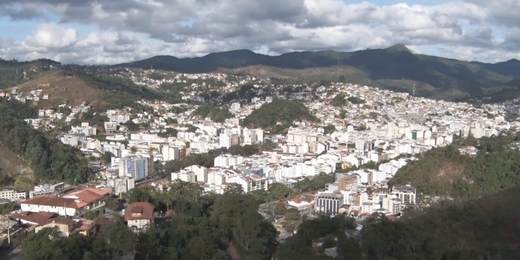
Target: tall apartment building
[
  {"x": 137, "y": 167},
  {"x": 405, "y": 193}
]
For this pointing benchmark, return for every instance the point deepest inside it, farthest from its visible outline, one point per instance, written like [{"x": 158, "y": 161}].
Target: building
[
  {"x": 137, "y": 167},
  {"x": 71, "y": 204},
  {"x": 225, "y": 140},
  {"x": 184, "y": 175},
  {"x": 64, "y": 225},
  {"x": 121, "y": 184},
  {"x": 405, "y": 193},
  {"x": 328, "y": 203},
  {"x": 249, "y": 183},
  {"x": 348, "y": 183},
  {"x": 13, "y": 195},
  {"x": 139, "y": 215}
]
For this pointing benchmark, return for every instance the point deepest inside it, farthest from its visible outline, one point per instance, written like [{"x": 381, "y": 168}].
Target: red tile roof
[
  {"x": 34, "y": 217},
  {"x": 139, "y": 210},
  {"x": 58, "y": 220},
  {"x": 54, "y": 202},
  {"x": 76, "y": 199}
]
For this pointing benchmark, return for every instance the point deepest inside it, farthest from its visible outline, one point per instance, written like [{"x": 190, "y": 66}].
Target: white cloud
[
  {"x": 135, "y": 29},
  {"x": 51, "y": 35}
]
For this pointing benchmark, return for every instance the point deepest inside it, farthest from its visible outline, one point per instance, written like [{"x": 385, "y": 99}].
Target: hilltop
[
  {"x": 278, "y": 115},
  {"x": 75, "y": 86},
  {"x": 13, "y": 72},
  {"x": 61, "y": 87},
  {"x": 395, "y": 68}
]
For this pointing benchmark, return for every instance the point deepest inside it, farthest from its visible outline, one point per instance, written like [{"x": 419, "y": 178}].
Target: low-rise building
[
  {"x": 71, "y": 204},
  {"x": 328, "y": 203},
  {"x": 139, "y": 215},
  {"x": 13, "y": 195}
]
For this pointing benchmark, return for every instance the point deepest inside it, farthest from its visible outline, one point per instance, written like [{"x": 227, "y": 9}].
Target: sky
[{"x": 117, "y": 31}]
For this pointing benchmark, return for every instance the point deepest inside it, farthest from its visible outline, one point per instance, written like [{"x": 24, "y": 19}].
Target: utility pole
[{"x": 9, "y": 235}]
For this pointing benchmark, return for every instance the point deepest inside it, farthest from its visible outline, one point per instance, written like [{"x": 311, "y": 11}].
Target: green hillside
[
  {"x": 278, "y": 115},
  {"x": 13, "y": 72},
  {"x": 446, "y": 172},
  {"x": 483, "y": 228}
]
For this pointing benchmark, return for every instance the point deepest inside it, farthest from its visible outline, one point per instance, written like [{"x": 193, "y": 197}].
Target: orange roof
[
  {"x": 88, "y": 195},
  {"x": 34, "y": 217},
  {"x": 139, "y": 210},
  {"x": 55, "y": 202},
  {"x": 58, "y": 220},
  {"x": 297, "y": 200}
]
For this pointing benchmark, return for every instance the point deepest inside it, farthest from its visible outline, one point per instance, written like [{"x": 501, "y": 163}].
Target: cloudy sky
[{"x": 114, "y": 31}]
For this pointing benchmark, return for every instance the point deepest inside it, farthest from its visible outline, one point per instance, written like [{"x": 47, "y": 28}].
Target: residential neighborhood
[{"x": 361, "y": 146}]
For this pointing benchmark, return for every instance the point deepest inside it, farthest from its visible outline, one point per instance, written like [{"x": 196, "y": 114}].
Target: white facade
[
  {"x": 13, "y": 195},
  {"x": 249, "y": 183}
]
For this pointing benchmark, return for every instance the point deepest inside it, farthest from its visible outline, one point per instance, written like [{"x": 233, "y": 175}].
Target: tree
[
  {"x": 280, "y": 191},
  {"x": 329, "y": 129},
  {"x": 107, "y": 157},
  {"x": 119, "y": 238},
  {"x": 234, "y": 188},
  {"x": 341, "y": 79},
  {"x": 38, "y": 246}
]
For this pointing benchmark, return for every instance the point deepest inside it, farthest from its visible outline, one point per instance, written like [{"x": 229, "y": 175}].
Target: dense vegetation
[
  {"x": 446, "y": 172},
  {"x": 203, "y": 159},
  {"x": 484, "y": 228},
  {"x": 12, "y": 72},
  {"x": 214, "y": 113},
  {"x": 278, "y": 116},
  {"x": 205, "y": 227},
  {"x": 49, "y": 159},
  {"x": 118, "y": 92}
]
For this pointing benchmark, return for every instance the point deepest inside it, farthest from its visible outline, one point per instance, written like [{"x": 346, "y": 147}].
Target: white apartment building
[
  {"x": 13, "y": 195},
  {"x": 228, "y": 160},
  {"x": 184, "y": 175},
  {"x": 225, "y": 140},
  {"x": 249, "y": 183},
  {"x": 405, "y": 193}
]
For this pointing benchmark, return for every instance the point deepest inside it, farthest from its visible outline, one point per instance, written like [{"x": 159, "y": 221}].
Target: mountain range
[{"x": 396, "y": 68}]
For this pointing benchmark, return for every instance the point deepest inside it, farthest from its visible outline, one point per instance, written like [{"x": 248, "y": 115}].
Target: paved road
[{"x": 14, "y": 254}]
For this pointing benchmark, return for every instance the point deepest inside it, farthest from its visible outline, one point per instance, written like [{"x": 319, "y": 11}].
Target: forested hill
[
  {"x": 484, "y": 228},
  {"x": 446, "y": 172},
  {"x": 395, "y": 68},
  {"x": 13, "y": 72},
  {"x": 50, "y": 159},
  {"x": 278, "y": 115}
]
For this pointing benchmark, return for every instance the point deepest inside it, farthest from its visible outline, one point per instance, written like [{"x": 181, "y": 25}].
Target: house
[
  {"x": 64, "y": 225},
  {"x": 33, "y": 218},
  {"x": 89, "y": 228},
  {"x": 139, "y": 215},
  {"x": 71, "y": 204}
]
